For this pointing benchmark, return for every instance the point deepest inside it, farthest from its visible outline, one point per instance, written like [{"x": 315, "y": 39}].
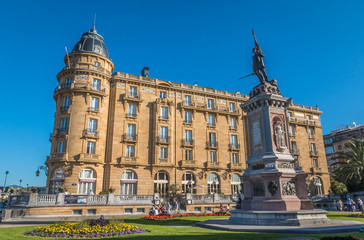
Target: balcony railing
[
  {"x": 314, "y": 153},
  {"x": 311, "y": 122},
  {"x": 188, "y": 142},
  {"x": 65, "y": 108},
  {"x": 292, "y": 134},
  {"x": 188, "y": 104},
  {"x": 292, "y": 119},
  {"x": 133, "y": 97},
  {"x": 163, "y": 161},
  {"x": 212, "y": 144},
  {"x": 188, "y": 163},
  {"x": 211, "y": 124},
  {"x": 311, "y": 136},
  {"x": 89, "y": 157},
  {"x": 163, "y": 117},
  {"x": 131, "y": 115},
  {"x": 78, "y": 86},
  {"x": 212, "y": 164},
  {"x": 94, "y": 109},
  {"x": 130, "y": 137},
  {"x": 163, "y": 140},
  {"x": 235, "y": 146},
  {"x": 238, "y": 166},
  {"x": 233, "y": 128},
  {"x": 61, "y": 132},
  {"x": 91, "y": 133}
]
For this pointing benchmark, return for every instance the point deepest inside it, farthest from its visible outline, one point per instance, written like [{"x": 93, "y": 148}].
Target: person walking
[
  {"x": 228, "y": 208},
  {"x": 176, "y": 205},
  {"x": 360, "y": 204},
  {"x": 92, "y": 192},
  {"x": 168, "y": 208},
  {"x": 349, "y": 204},
  {"x": 339, "y": 205}
]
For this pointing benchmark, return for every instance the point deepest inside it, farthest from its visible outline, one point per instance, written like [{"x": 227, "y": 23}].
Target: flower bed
[
  {"x": 162, "y": 217},
  {"x": 91, "y": 229},
  {"x": 357, "y": 215}
]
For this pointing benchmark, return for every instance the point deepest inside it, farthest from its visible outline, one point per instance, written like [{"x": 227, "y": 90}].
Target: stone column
[
  {"x": 60, "y": 198},
  {"x": 33, "y": 199}
]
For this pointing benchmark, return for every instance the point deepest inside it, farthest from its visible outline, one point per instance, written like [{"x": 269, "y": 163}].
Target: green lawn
[{"x": 166, "y": 230}]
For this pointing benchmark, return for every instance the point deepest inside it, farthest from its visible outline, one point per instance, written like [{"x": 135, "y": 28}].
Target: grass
[{"x": 165, "y": 230}]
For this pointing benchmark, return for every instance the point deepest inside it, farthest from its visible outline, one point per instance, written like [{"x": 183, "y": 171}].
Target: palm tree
[{"x": 352, "y": 168}]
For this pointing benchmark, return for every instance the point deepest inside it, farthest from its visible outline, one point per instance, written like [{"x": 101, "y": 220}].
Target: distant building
[
  {"x": 140, "y": 135},
  {"x": 336, "y": 140}
]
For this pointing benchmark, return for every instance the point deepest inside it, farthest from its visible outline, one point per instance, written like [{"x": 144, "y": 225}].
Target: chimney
[{"x": 145, "y": 72}]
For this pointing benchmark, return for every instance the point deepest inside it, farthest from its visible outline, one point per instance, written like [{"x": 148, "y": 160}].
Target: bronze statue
[{"x": 258, "y": 63}]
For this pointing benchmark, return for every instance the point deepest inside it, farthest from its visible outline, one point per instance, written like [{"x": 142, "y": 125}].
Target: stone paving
[{"x": 337, "y": 226}]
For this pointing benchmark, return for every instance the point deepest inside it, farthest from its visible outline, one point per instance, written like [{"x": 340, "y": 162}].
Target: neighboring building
[
  {"x": 140, "y": 135},
  {"x": 335, "y": 143}
]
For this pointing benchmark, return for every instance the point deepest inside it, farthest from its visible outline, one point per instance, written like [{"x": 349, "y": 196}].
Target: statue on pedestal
[{"x": 258, "y": 63}]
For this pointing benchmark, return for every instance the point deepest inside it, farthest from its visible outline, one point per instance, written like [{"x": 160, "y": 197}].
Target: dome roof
[{"x": 91, "y": 42}]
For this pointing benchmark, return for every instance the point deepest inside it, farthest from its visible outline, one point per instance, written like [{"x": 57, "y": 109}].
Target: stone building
[
  {"x": 141, "y": 135},
  {"x": 335, "y": 143}
]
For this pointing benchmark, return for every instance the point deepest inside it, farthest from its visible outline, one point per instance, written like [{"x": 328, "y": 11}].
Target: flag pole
[{"x": 68, "y": 58}]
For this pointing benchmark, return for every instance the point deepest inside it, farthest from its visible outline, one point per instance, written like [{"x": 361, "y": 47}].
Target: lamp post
[
  {"x": 3, "y": 193},
  {"x": 20, "y": 182}
]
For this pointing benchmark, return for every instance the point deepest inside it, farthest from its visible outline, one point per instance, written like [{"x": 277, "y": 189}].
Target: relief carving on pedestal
[
  {"x": 279, "y": 134},
  {"x": 288, "y": 188},
  {"x": 257, "y": 135}
]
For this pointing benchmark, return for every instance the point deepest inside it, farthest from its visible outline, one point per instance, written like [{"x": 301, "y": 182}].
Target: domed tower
[{"x": 79, "y": 136}]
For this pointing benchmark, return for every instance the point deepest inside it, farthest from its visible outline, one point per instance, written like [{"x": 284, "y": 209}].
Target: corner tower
[{"x": 77, "y": 157}]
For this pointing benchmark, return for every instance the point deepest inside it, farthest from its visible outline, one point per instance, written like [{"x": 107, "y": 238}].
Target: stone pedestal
[
  {"x": 279, "y": 218},
  {"x": 60, "y": 198}
]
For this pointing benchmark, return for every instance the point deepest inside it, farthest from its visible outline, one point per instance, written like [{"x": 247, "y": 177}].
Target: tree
[
  {"x": 351, "y": 170},
  {"x": 338, "y": 188}
]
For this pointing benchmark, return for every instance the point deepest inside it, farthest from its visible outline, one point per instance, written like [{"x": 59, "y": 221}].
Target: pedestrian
[
  {"x": 339, "y": 205},
  {"x": 349, "y": 204},
  {"x": 92, "y": 192},
  {"x": 168, "y": 208},
  {"x": 176, "y": 205},
  {"x": 360, "y": 204},
  {"x": 353, "y": 207},
  {"x": 221, "y": 208},
  {"x": 228, "y": 208},
  {"x": 66, "y": 192}
]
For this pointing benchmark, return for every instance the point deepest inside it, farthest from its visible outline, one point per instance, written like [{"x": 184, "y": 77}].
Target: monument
[{"x": 275, "y": 191}]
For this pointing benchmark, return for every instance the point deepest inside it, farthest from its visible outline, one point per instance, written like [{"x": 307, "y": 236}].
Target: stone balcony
[
  {"x": 91, "y": 133},
  {"x": 301, "y": 121},
  {"x": 212, "y": 165},
  {"x": 79, "y": 87},
  {"x": 163, "y": 140},
  {"x": 236, "y": 166},
  {"x": 296, "y": 152},
  {"x": 314, "y": 153},
  {"x": 212, "y": 145},
  {"x": 188, "y": 163},
  {"x": 89, "y": 158},
  {"x": 132, "y": 98},
  {"x": 57, "y": 157},
  {"x": 188, "y": 142},
  {"x": 130, "y": 161},
  {"x": 130, "y": 137},
  {"x": 233, "y": 147},
  {"x": 163, "y": 162},
  {"x": 316, "y": 170},
  {"x": 214, "y": 109}
]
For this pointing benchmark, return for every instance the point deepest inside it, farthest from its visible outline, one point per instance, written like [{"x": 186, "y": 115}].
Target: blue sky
[{"x": 313, "y": 48}]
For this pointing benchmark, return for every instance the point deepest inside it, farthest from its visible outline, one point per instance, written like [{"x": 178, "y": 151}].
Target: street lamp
[{"x": 3, "y": 193}]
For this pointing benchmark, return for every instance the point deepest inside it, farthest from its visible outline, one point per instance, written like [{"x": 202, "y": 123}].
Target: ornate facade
[{"x": 141, "y": 135}]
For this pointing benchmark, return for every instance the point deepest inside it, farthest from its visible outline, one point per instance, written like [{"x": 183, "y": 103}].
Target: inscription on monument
[
  {"x": 288, "y": 188},
  {"x": 258, "y": 166},
  {"x": 257, "y": 135},
  {"x": 258, "y": 189},
  {"x": 285, "y": 165}
]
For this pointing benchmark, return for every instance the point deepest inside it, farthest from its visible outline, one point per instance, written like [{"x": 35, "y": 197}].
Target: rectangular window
[
  {"x": 94, "y": 104},
  {"x": 140, "y": 210},
  {"x": 233, "y": 123},
  {"x": 311, "y": 133},
  {"x": 97, "y": 64},
  {"x": 64, "y": 123},
  {"x": 92, "y": 125},
  {"x": 61, "y": 147},
  {"x": 91, "y": 211},
  {"x": 132, "y": 110},
  {"x": 210, "y": 103},
  {"x": 290, "y": 114},
  {"x": 197, "y": 209},
  {"x": 77, "y": 212},
  {"x": 66, "y": 103},
  {"x": 328, "y": 141},
  {"x": 131, "y": 130},
  {"x": 128, "y": 210},
  {"x": 212, "y": 139},
  {"x": 188, "y": 117},
  {"x": 294, "y": 146},
  {"x": 188, "y": 154},
  {"x": 133, "y": 92},
  {"x": 234, "y": 140},
  {"x": 90, "y": 147},
  {"x": 315, "y": 162},
  {"x": 69, "y": 82},
  {"x": 162, "y": 94},
  {"x": 130, "y": 151},
  {"x": 212, "y": 156},
  {"x": 234, "y": 157},
  {"x": 313, "y": 147},
  {"x": 164, "y": 132},
  {"x": 188, "y": 135},
  {"x": 329, "y": 150},
  {"x": 291, "y": 130},
  {"x": 232, "y": 107},
  {"x": 164, "y": 113},
  {"x": 308, "y": 117},
  {"x": 187, "y": 100},
  {"x": 211, "y": 119},
  {"x": 163, "y": 152},
  {"x": 96, "y": 84}
]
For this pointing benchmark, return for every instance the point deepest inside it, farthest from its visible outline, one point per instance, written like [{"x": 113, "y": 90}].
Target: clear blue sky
[{"x": 315, "y": 49}]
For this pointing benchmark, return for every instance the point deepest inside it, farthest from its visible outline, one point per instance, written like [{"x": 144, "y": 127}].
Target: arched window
[
  {"x": 319, "y": 188},
  {"x": 128, "y": 183},
  {"x": 56, "y": 181},
  {"x": 188, "y": 182},
  {"x": 213, "y": 183},
  {"x": 235, "y": 184},
  {"x": 161, "y": 183},
  {"x": 87, "y": 181}
]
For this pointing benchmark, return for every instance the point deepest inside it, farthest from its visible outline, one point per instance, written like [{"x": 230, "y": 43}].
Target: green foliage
[
  {"x": 174, "y": 188},
  {"x": 116, "y": 221},
  {"x": 352, "y": 169},
  {"x": 337, "y": 187}
]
